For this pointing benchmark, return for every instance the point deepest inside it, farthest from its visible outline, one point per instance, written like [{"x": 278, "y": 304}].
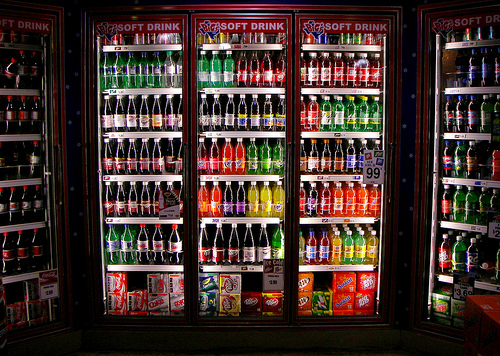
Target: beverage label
[
  {"x": 158, "y": 246},
  {"x": 241, "y": 76},
  {"x": 227, "y": 207},
  {"x": 142, "y": 246},
  {"x": 266, "y": 207},
  {"x": 280, "y": 120},
  {"x": 471, "y": 164},
  {"x": 376, "y": 76},
  {"x": 226, "y": 164},
  {"x": 248, "y": 254},
  {"x": 255, "y": 120},
  {"x": 22, "y": 252},
  {"x": 204, "y": 254},
  {"x": 106, "y": 121},
  {"x": 146, "y": 207},
  {"x": 447, "y": 162},
  {"x": 157, "y": 121},
  {"x": 303, "y": 164},
  {"x": 351, "y": 161},
  {"x": 363, "y": 74},
  {"x": 213, "y": 164},
  {"x": 37, "y": 251},
  {"x": 324, "y": 206},
  {"x": 126, "y": 246},
  {"x": 26, "y": 205},
  {"x": 444, "y": 258},
  {"x": 473, "y": 117},
  {"x": 337, "y": 251},
  {"x": 348, "y": 251},
  {"x": 303, "y": 118},
  {"x": 4, "y": 207},
  {"x": 458, "y": 261},
  {"x": 279, "y": 207},
  {"x": 326, "y": 118},
  {"x": 372, "y": 251},
  {"x": 215, "y": 76},
  {"x": 14, "y": 206},
  {"x": 216, "y": 120},
  {"x": 338, "y": 74},
  {"x": 485, "y": 118},
  {"x": 313, "y": 74},
  {"x": 338, "y": 204},
  {"x": 8, "y": 254},
  {"x": 302, "y": 205},
  {"x": 240, "y": 207},
  {"x": 324, "y": 252},
  {"x": 267, "y": 121},
  {"x": 360, "y": 251},
  {"x": 268, "y": 76},
  {"x": 158, "y": 163},
  {"x": 234, "y": 254},
  {"x": 131, "y": 121},
  {"x": 119, "y": 120},
  {"x": 280, "y": 76},
  {"x": 313, "y": 163},
  {"x": 217, "y": 254},
  {"x": 458, "y": 163},
  {"x": 113, "y": 246},
  {"x": 202, "y": 164},
  {"x": 326, "y": 74},
  {"x": 35, "y": 159},
  {"x": 228, "y": 76},
  {"x": 263, "y": 253},
  {"x": 144, "y": 121},
  {"x": 474, "y": 72},
  {"x": 144, "y": 164},
  {"x": 312, "y": 118},
  {"x": 175, "y": 247},
  {"x": 351, "y": 74},
  {"x": 22, "y": 69},
  {"x": 255, "y": 76},
  {"x": 229, "y": 119},
  {"x": 214, "y": 207},
  {"x": 23, "y": 115},
  {"x": 109, "y": 207},
  {"x": 120, "y": 207},
  {"x": 10, "y": 115},
  {"x": 311, "y": 204},
  {"x": 445, "y": 206},
  {"x": 131, "y": 164},
  {"x": 242, "y": 120},
  {"x": 311, "y": 252},
  {"x": 472, "y": 260},
  {"x": 239, "y": 165}
]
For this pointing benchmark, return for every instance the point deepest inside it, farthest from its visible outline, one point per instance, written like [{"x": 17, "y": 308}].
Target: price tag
[
  {"x": 374, "y": 167},
  {"x": 273, "y": 275},
  {"x": 494, "y": 230},
  {"x": 49, "y": 284},
  {"x": 463, "y": 285}
]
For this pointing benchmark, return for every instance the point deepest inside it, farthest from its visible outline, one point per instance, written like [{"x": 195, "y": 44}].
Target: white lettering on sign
[
  {"x": 492, "y": 19},
  {"x": 33, "y": 26},
  {"x": 169, "y": 26},
  {"x": 6, "y": 23},
  {"x": 233, "y": 26},
  {"x": 271, "y": 26},
  {"x": 468, "y": 21},
  {"x": 338, "y": 26},
  {"x": 371, "y": 27},
  {"x": 130, "y": 27}
]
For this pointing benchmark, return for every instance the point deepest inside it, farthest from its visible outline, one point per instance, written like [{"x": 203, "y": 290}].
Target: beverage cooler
[
  {"x": 32, "y": 173},
  {"x": 459, "y": 127}
]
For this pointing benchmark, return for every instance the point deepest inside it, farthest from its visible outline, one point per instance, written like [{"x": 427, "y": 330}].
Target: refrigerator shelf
[
  {"x": 472, "y": 90},
  {"x": 464, "y": 227},
  {"x": 230, "y": 268},
  {"x": 331, "y": 178},
  {"x": 21, "y": 46},
  {"x": 240, "y": 178},
  {"x": 20, "y": 182},
  {"x": 339, "y": 91},
  {"x": 347, "y": 48},
  {"x": 467, "y": 136},
  {"x": 21, "y": 277},
  {"x": 327, "y": 268},
  {"x": 143, "y": 91},
  {"x": 138, "y": 221},
  {"x": 337, "y": 220},
  {"x": 145, "y": 268},
  {"x": 142, "y": 134},
  {"x": 245, "y": 134},
  {"x": 18, "y": 227},
  {"x": 339, "y": 134},
  {"x": 472, "y": 182},
  {"x": 245, "y": 90},
  {"x": 478, "y": 284},
  {"x": 471, "y": 44},
  {"x": 19, "y": 92},
  {"x": 244, "y": 46},
  {"x": 18, "y": 138},
  {"x": 143, "y": 178},
  {"x": 143, "y": 48},
  {"x": 242, "y": 220}
]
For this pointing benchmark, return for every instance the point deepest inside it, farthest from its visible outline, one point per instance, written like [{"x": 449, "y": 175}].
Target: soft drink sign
[
  {"x": 213, "y": 28},
  {"x": 317, "y": 28},
  {"x": 28, "y": 25},
  {"x": 110, "y": 29}
]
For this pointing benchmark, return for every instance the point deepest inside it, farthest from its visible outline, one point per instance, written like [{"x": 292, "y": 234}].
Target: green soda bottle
[
  {"x": 376, "y": 115},
  {"x": 302, "y": 249},
  {"x": 363, "y": 113},
  {"x": 471, "y": 206},
  {"x": 252, "y": 157},
  {"x": 265, "y": 158},
  {"x": 486, "y": 114},
  {"x": 278, "y": 243},
  {"x": 106, "y": 71},
  {"x": 350, "y": 113},
  {"x": 119, "y": 69},
  {"x": 156, "y": 80},
  {"x": 458, "y": 252},
  {"x": 112, "y": 246},
  {"x": 338, "y": 120},
  {"x": 278, "y": 158},
  {"x": 215, "y": 70},
  {"x": 127, "y": 250},
  {"x": 360, "y": 248},
  {"x": 497, "y": 266},
  {"x": 459, "y": 160},
  {"x": 326, "y": 114},
  {"x": 347, "y": 249},
  {"x": 143, "y": 73},
  {"x": 484, "y": 205},
  {"x": 203, "y": 68},
  {"x": 228, "y": 72},
  {"x": 131, "y": 72},
  {"x": 458, "y": 205}
]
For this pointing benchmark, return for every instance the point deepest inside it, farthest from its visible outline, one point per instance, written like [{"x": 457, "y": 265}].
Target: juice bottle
[
  {"x": 252, "y": 157},
  {"x": 374, "y": 201},
  {"x": 266, "y": 201},
  {"x": 203, "y": 201},
  {"x": 313, "y": 114},
  {"x": 303, "y": 115},
  {"x": 279, "y": 201},
  {"x": 336, "y": 248},
  {"x": 372, "y": 249},
  {"x": 227, "y": 157},
  {"x": 216, "y": 200},
  {"x": 338, "y": 200},
  {"x": 253, "y": 200},
  {"x": 324, "y": 248},
  {"x": 311, "y": 248},
  {"x": 360, "y": 248},
  {"x": 239, "y": 157},
  {"x": 347, "y": 248},
  {"x": 350, "y": 200},
  {"x": 325, "y": 201},
  {"x": 362, "y": 200}
]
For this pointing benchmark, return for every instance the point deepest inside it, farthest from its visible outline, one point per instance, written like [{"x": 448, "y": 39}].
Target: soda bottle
[
  {"x": 22, "y": 252},
  {"x": 312, "y": 114},
  {"x": 249, "y": 250},
  {"x": 347, "y": 249},
  {"x": 144, "y": 160},
  {"x": 375, "y": 78},
  {"x": 26, "y": 206},
  {"x": 242, "y": 114},
  {"x": 458, "y": 207},
  {"x": 278, "y": 208},
  {"x": 303, "y": 158},
  {"x": 339, "y": 71},
  {"x": 267, "y": 115},
  {"x": 363, "y": 114},
  {"x": 254, "y": 71},
  {"x": 142, "y": 248},
  {"x": 130, "y": 77},
  {"x": 106, "y": 70},
  {"x": 267, "y": 70},
  {"x": 325, "y": 201},
  {"x": 278, "y": 243},
  {"x": 203, "y": 201},
  {"x": 23, "y": 117},
  {"x": 203, "y": 68},
  {"x": 227, "y": 204},
  {"x": 303, "y": 71},
  {"x": 312, "y": 201},
  {"x": 363, "y": 71},
  {"x": 313, "y": 71},
  {"x": 311, "y": 248},
  {"x": 229, "y": 115},
  {"x": 326, "y": 71},
  {"x": 35, "y": 115},
  {"x": 449, "y": 114},
  {"x": 203, "y": 116},
  {"x": 471, "y": 161},
  {"x": 38, "y": 204},
  {"x": 178, "y": 72},
  {"x": 458, "y": 255},
  {"x": 216, "y": 200},
  {"x": 350, "y": 161},
  {"x": 473, "y": 115},
  {"x": 175, "y": 250},
  {"x": 459, "y": 160},
  {"x": 352, "y": 121},
  {"x": 266, "y": 201},
  {"x": 372, "y": 249},
  {"x": 158, "y": 251},
  {"x": 313, "y": 158},
  {"x": 338, "y": 200},
  {"x": 228, "y": 70},
  {"x": 302, "y": 248},
  {"x": 444, "y": 255},
  {"x": 240, "y": 200},
  {"x": 204, "y": 248},
  {"x": 360, "y": 248},
  {"x": 447, "y": 159},
  {"x": 216, "y": 117},
  {"x": 227, "y": 157},
  {"x": 143, "y": 71},
  {"x": 472, "y": 258},
  {"x": 131, "y": 117},
  {"x": 242, "y": 69},
  {"x": 362, "y": 195},
  {"x": 350, "y": 200},
  {"x": 471, "y": 206},
  {"x": 280, "y": 71},
  {"x": 214, "y": 159},
  {"x": 325, "y": 165},
  {"x": 9, "y": 262},
  {"x": 170, "y": 117},
  {"x": 158, "y": 161},
  {"x": 474, "y": 70},
  {"x": 37, "y": 250},
  {"x": 144, "y": 114},
  {"x": 14, "y": 207},
  {"x": 326, "y": 114},
  {"x": 255, "y": 119},
  {"x": 484, "y": 203},
  {"x": 112, "y": 246},
  {"x": 252, "y": 154},
  {"x": 264, "y": 247},
  {"x": 497, "y": 265},
  {"x": 234, "y": 250},
  {"x": 145, "y": 205},
  {"x": 156, "y": 198},
  {"x": 486, "y": 114},
  {"x": 119, "y": 157},
  {"x": 169, "y": 71},
  {"x": 108, "y": 200},
  {"x": 265, "y": 154},
  {"x": 446, "y": 204},
  {"x": 351, "y": 71},
  {"x": 302, "y": 201},
  {"x": 338, "y": 123},
  {"x": 132, "y": 201},
  {"x": 460, "y": 114},
  {"x": 253, "y": 200},
  {"x": 106, "y": 116},
  {"x": 155, "y": 79},
  {"x": 202, "y": 156},
  {"x": 278, "y": 162},
  {"x": 239, "y": 157},
  {"x": 216, "y": 79},
  {"x": 338, "y": 154}
]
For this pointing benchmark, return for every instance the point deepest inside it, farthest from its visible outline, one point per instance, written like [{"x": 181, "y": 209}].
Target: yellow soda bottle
[
  {"x": 336, "y": 248},
  {"x": 266, "y": 201},
  {"x": 279, "y": 201},
  {"x": 253, "y": 200},
  {"x": 372, "y": 249}
]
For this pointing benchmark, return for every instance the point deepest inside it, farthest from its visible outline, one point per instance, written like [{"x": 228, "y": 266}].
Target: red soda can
[
  {"x": 309, "y": 39},
  {"x": 246, "y": 37},
  {"x": 368, "y": 39},
  {"x": 139, "y": 38},
  {"x": 117, "y": 39},
  {"x": 259, "y": 37},
  {"x": 281, "y": 38}
]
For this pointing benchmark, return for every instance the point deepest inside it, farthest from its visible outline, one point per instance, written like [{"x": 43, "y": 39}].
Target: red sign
[
  {"x": 131, "y": 27},
  {"x": 24, "y": 25},
  {"x": 239, "y": 26},
  {"x": 340, "y": 26}
]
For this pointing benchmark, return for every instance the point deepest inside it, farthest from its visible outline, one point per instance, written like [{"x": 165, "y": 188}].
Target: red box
[
  {"x": 138, "y": 313},
  {"x": 363, "y": 312},
  {"x": 305, "y": 312},
  {"x": 117, "y": 301},
  {"x": 364, "y": 300},
  {"x": 137, "y": 300},
  {"x": 367, "y": 282},
  {"x": 305, "y": 301},
  {"x": 343, "y": 312},
  {"x": 16, "y": 313},
  {"x": 272, "y": 302},
  {"x": 306, "y": 282},
  {"x": 117, "y": 282},
  {"x": 344, "y": 282},
  {"x": 475, "y": 306},
  {"x": 251, "y": 302},
  {"x": 176, "y": 283},
  {"x": 343, "y": 301},
  {"x": 489, "y": 337},
  {"x": 230, "y": 283},
  {"x": 118, "y": 312}
]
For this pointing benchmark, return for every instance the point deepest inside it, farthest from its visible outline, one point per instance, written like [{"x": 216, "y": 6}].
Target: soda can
[
  {"x": 259, "y": 37},
  {"x": 246, "y": 37},
  {"x": 177, "y": 303},
  {"x": 200, "y": 39},
  {"x": 222, "y": 37},
  {"x": 117, "y": 301},
  {"x": 137, "y": 300},
  {"x": 323, "y": 39},
  {"x": 176, "y": 38},
  {"x": 117, "y": 282},
  {"x": 139, "y": 38},
  {"x": 176, "y": 282},
  {"x": 281, "y": 39},
  {"x": 309, "y": 39},
  {"x": 235, "y": 38},
  {"x": 357, "y": 39},
  {"x": 151, "y": 38},
  {"x": 345, "y": 38},
  {"x": 368, "y": 39},
  {"x": 469, "y": 34},
  {"x": 117, "y": 40}
]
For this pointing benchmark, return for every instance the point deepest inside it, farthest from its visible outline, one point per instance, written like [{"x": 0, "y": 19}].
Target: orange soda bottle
[
  {"x": 362, "y": 200},
  {"x": 374, "y": 201},
  {"x": 203, "y": 201},
  {"x": 216, "y": 201},
  {"x": 227, "y": 157},
  {"x": 350, "y": 200},
  {"x": 338, "y": 200},
  {"x": 239, "y": 157}
]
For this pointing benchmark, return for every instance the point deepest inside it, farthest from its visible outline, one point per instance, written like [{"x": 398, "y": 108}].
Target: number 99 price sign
[{"x": 374, "y": 167}]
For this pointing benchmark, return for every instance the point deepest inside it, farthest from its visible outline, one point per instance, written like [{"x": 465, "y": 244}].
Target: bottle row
[
  {"x": 23, "y": 251},
  {"x": 352, "y": 71},
  {"x": 245, "y": 72},
  {"x": 470, "y": 159},
  {"x": 216, "y": 248},
  {"x": 151, "y": 70},
  {"x": 347, "y": 156},
  {"x": 21, "y": 205},
  {"x": 339, "y": 200},
  {"x": 471, "y": 113},
  {"x": 241, "y": 159},
  {"x": 462, "y": 255},
  {"x": 127, "y": 200},
  {"x": 344, "y": 114},
  {"x": 261, "y": 200},
  {"x": 474, "y": 34},
  {"x": 131, "y": 247},
  {"x": 21, "y": 115},
  {"x": 339, "y": 246},
  {"x": 144, "y": 39},
  {"x": 472, "y": 206},
  {"x": 343, "y": 38},
  {"x": 20, "y": 159},
  {"x": 21, "y": 71},
  {"x": 151, "y": 115},
  {"x": 254, "y": 115},
  {"x": 150, "y": 156},
  {"x": 476, "y": 68},
  {"x": 242, "y": 38},
  {"x": 20, "y": 37}
]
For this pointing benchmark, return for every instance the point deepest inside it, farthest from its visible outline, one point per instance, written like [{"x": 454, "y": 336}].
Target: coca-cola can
[
  {"x": 159, "y": 302},
  {"x": 16, "y": 313},
  {"x": 117, "y": 301},
  {"x": 176, "y": 282},
  {"x": 117, "y": 282},
  {"x": 137, "y": 300}
]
